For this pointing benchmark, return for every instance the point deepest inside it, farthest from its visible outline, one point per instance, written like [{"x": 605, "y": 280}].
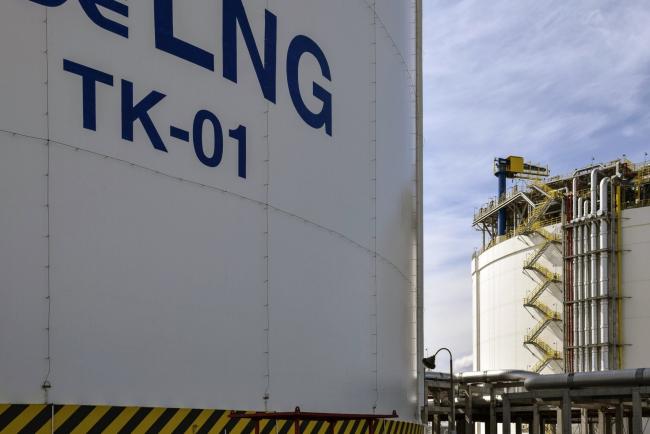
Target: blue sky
[{"x": 558, "y": 82}]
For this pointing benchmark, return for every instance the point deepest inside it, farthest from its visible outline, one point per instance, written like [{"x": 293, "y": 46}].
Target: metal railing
[
  {"x": 495, "y": 203},
  {"x": 535, "y": 293},
  {"x": 548, "y": 274}
]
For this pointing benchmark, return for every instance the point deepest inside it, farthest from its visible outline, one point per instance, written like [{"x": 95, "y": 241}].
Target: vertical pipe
[
  {"x": 574, "y": 275},
  {"x": 594, "y": 270},
  {"x": 594, "y": 190},
  {"x": 579, "y": 287},
  {"x": 568, "y": 288},
  {"x": 604, "y": 275},
  {"x": 586, "y": 284},
  {"x": 594, "y": 294}
]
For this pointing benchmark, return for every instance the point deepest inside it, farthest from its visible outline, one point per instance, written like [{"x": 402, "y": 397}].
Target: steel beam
[
  {"x": 637, "y": 412},
  {"x": 619, "y": 418},
  {"x": 536, "y": 421},
  {"x": 564, "y": 417},
  {"x": 506, "y": 414},
  {"x": 469, "y": 419}
]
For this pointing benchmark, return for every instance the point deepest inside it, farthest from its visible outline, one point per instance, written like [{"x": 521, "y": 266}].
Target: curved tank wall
[
  {"x": 501, "y": 322},
  {"x": 143, "y": 261},
  {"x": 635, "y": 285},
  {"x": 500, "y": 284}
]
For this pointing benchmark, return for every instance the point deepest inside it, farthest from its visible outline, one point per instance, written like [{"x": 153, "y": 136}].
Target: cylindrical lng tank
[
  {"x": 505, "y": 318},
  {"x": 512, "y": 329},
  {"x": 207, "y": 205},
  {"x": 634, "y": 283}
]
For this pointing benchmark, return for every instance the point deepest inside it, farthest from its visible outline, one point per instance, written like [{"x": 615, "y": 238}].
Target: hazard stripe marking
[
  {"x": 26, "y": 414},
  {"x": 135, "y": 420},
  {"x": 91, "y": 419},
  {"x": 122, "y": 419},
  {"x": 10, "y": 414},
  {"x": 270, "y": 427},
  {"x": 105, "y": 420},
  {"x": 185, "y": 423},
  {"x": 37, "y": 422},
  {"x": 161, "y": 421},
  {"x": 76, "y": 419},
  {"x": 200, "y": 420}
]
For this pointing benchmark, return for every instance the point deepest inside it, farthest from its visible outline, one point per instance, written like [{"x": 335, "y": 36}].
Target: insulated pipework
[
  {"x": 586, "y": 285},
  {"x": 574, "y": 262},
  {"x": 580, "y": 288},
  {"x": 604, "y": 274},
  {"x": 594, "y": 270}
]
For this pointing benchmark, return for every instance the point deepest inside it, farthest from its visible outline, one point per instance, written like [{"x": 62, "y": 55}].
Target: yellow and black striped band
[{"x": 22, "y": 418}]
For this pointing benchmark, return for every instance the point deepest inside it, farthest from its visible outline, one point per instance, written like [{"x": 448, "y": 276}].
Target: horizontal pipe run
[
  {"x": 625, "y": 377},
  {"x": 496, "y": 376}
]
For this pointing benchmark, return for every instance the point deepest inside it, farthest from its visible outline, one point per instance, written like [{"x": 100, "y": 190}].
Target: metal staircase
[
  {"x": 546, "y": 315},
  {"x": 550, "y": 197},
  {"x": 548, "y": 354}
]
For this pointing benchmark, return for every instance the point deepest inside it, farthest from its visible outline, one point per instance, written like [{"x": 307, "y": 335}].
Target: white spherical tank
[{"x": 208, "y": 204}]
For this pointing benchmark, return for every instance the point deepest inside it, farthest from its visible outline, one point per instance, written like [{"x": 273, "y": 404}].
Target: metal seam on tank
[
  {"x": 220, "y": 190},
  {"x": 417, "y": 252},
  {"x": 373, "y": 196},
  {"x": 268, "y": 259},
  {"x": 267, "y": 306},
  {"x": 377, "y": 18},
  {"x": 45, "y": 385}
]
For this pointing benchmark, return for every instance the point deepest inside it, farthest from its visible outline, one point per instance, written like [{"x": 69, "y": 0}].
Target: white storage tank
[
  {"x": 635, "y": 282},
  {"x": 565, "y": 287},
  {"x": 502, "y": 318},
  {"x": 208, "y": 205}
]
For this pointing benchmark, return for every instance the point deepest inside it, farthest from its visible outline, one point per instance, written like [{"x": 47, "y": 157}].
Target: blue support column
[{"x": 501, "y": 223}]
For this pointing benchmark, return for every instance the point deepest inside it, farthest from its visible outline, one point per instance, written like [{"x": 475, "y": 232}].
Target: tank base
[{"x": 47, "y": 418}]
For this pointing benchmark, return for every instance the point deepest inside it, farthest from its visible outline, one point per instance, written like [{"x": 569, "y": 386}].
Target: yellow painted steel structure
[
  {"x": 516, "y": 164},
  {"x": 48, "y": 418},
  {"x": 533, "y": 225}
]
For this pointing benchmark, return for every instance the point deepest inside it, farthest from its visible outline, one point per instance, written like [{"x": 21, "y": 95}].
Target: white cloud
[
  {"x": 463, "y": 364},
  {"x": 555, "y": 81}
]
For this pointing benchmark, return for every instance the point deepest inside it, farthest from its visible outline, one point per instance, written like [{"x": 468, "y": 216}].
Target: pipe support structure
[{"x": 604, "y": 274}]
